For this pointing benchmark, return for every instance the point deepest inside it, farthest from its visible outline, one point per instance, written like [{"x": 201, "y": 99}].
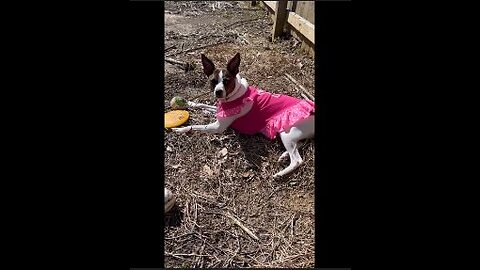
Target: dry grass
[{"x": 230, "y": 212}]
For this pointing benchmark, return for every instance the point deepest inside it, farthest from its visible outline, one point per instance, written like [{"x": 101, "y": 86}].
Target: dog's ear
[
  {"x": 208, "y": 66},
  {"x": 234, "y": 64}
]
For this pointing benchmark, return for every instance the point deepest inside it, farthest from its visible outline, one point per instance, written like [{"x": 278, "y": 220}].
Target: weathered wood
[
  {"x": 281, "y": 14},
  {"x": 292, "y": 5},
  {"x": 299, "y": 21},
  {"x": 306, "y": 9},
  {"x": 271, "y": 4},
  {"x": 304, "y": 27}
]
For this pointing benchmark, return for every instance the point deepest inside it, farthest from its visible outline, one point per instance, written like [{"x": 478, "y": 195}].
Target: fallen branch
[
  {"x": 247, "y": 230},
  {"x": 300, "y": 86},
  {"x": 185, "y": 66}
]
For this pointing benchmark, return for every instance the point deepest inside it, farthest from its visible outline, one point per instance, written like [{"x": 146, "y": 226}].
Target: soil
[{"x": 223, "y": 180}]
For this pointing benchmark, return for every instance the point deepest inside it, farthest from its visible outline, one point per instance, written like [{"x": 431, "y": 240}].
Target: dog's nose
[{"x": 218, "y": 93}]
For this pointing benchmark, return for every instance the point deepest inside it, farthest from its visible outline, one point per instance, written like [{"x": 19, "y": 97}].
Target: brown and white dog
[{"x": 227, "y": 86}]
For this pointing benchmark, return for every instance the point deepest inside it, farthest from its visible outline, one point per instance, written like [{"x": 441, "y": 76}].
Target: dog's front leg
[
  {"x": 209, "y": 108},
  {"x": 216, "y": 127},
  {"x": 220, "y": 125}
]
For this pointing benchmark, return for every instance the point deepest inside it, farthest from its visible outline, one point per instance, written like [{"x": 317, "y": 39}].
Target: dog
[{"x": 249, "y": 110}]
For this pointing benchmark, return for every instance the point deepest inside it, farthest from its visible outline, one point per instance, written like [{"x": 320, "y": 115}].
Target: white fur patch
[{"x": 220, "y": 85}]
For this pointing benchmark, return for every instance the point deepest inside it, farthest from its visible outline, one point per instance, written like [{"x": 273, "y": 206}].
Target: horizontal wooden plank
[
  {"x": 306, "y": 28},
  {"x": 306, "y": 10},
  {"x": 271, "y": 4}
]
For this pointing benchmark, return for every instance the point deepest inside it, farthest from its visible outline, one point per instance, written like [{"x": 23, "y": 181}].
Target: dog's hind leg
[
  {"x": 302, "y": 130},
  {"x": 284, "y": 155}
]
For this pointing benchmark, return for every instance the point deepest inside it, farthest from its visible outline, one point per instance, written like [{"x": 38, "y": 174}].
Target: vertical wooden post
[
  {"x": 280, "y": 18},
  {"x": 294, "y": 5}
]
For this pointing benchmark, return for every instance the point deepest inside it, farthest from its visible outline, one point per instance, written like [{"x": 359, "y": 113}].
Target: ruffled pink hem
[
  {"x": 232, "y": 111},
  {"x": 285, "y": 119}
]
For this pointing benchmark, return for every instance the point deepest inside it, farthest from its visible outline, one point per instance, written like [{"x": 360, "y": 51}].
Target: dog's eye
[{"x": 213, "y": 82}]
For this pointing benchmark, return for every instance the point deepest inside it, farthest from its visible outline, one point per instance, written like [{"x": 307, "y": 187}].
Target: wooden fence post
[
  {"x": 294, "y": 5},
  {"x": 280, "y": 18}
]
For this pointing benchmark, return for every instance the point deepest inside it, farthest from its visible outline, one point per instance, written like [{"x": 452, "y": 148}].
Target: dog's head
[{"x": 222, "y": 81}]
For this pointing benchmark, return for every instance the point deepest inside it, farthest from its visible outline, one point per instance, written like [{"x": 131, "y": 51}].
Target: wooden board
[
  {"x": 304, "y": 27},
  {"x": 271, "y": 4}
]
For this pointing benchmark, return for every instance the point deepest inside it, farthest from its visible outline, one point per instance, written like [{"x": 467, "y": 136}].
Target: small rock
[
  {"x": 169, "y": 149},
  {"x": 223, "y": 152},
  {"x": 247, "y": 174}
]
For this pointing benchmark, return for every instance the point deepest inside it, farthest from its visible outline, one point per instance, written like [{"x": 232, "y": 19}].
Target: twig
[
  {"x": 173, "y": 61},
  {"x": 192, "y": 254},
  {"x": 247, "y": 230},
  {"x": 216, "y": 35},
  {"x": 203, "y": 94},
  {"x": 185, "y": 234},
  {"x": 178, "y": 257},
  {"x": 199, "y": 48},
  {"x": 300, "y": 86},
  {"x": 304, "y": 96},
  {"x": 242, "y": 21},
  {"x": 295, "y": 217},
  {"x": 244, "y": 39},
  {"x": 171, "y": 47},
  {"x": 185, "y": 66}
]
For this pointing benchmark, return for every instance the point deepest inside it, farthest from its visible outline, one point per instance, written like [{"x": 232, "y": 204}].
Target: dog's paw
[
  {"x": 283, "y": 157},
  {"x": 182, "y": 129},
  {"x": 277, "y": 176}
]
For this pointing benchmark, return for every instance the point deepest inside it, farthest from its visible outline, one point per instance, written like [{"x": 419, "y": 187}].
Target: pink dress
[{"x": 270, "y": 114}]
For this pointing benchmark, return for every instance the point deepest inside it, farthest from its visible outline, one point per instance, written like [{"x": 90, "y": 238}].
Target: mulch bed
[{"x": 230, "y": 212}]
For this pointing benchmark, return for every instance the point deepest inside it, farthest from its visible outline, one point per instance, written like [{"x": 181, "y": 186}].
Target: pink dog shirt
[{"x": 270, "y": 114}]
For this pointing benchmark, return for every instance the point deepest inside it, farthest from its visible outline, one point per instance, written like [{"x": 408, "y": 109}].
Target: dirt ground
[{"x": 224, "y": 178}]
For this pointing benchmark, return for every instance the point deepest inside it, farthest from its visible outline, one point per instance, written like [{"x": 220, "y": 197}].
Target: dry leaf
[{"x": 207, "y": 170}]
